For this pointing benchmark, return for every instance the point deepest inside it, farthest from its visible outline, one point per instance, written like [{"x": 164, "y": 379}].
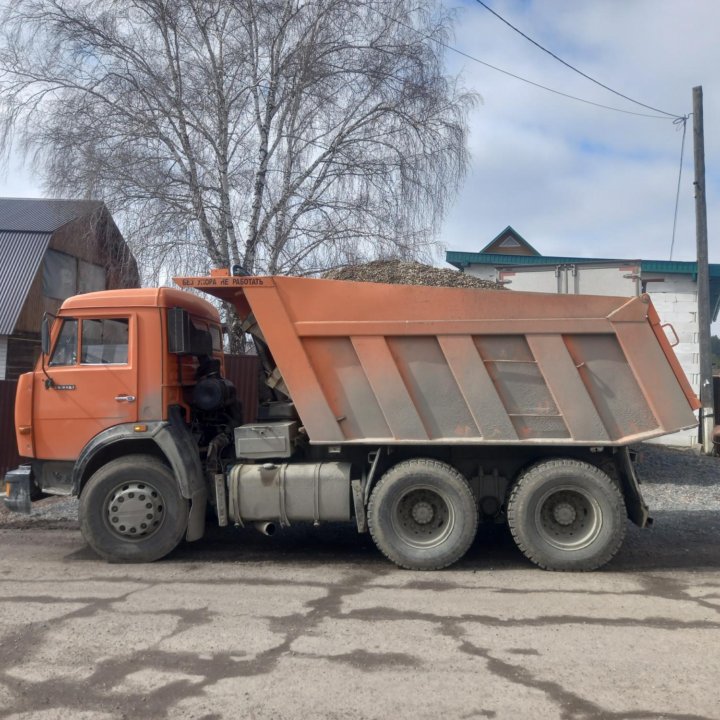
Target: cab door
[{"x": 90, "y": 383}]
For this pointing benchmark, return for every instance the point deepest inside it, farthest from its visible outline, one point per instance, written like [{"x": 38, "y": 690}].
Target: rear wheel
[
  {"x": 422, "y": 515},
  {"x": 131, "y": 510},
  {"x": 567, "y": 515}
]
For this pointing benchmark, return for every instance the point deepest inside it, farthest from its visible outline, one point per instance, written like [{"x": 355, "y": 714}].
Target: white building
[{"x": 672, "y": 285}]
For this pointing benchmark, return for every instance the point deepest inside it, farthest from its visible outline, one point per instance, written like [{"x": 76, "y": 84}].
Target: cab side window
[
  {"x": 65, "y": 351},
  {"x": 104, "y": 342}
]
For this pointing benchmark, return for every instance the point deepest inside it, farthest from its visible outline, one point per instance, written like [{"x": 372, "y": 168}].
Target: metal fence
[
  {"x": 243, "y": 371},
  {"x": 9, "y": 457}
]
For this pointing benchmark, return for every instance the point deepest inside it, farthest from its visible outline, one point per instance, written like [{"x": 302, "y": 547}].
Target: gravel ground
[
  {"x": 679, "y": 480},
  {"x": 50, "y": 513},
  {"x": 673, "y": 480}
]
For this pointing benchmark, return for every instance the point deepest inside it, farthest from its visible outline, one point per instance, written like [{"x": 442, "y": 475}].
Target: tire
[
  {"x": 131, "y": 510},
  {"x": 422, "y": 515},
  {"x": 567, "y": 515}
]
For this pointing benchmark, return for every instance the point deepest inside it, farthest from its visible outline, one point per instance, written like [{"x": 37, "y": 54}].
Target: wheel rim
[
  {"x": 568, "y": 518},
  {"x": 423, "y": 517},
  {"x": 134, "y": 510}
]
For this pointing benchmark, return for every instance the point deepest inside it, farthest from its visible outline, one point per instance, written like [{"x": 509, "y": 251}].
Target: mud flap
[
  {"x": 181, "y": 450},
  {"x": 637, "y": 510},
  {"x": 196, "y": 519},
  {"x": 360, "y": 515},
  {"x": 18, "y": 484}
]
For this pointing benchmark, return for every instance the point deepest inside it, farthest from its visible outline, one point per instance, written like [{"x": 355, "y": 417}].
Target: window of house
[
  {"x": 59, "y": 275},
  {"x": 90, "y": 277},
  {"x": 65, "y": 351},
  {"x": 105, "y": 342}
]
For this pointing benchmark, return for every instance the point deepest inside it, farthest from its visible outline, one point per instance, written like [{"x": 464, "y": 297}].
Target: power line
[
  {"x": 677, "y": 121},
  {"x": 572, "y": 67},
  {"x": 544, "y": 87},
  {"x": 445, "y": 45}
]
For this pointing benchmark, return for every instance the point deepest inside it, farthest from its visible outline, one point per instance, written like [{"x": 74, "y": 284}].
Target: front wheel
[
  {"x": 131, "y": 510},
  {"x": 422, "y": 515},
  {"x": 567, "y": 515}
]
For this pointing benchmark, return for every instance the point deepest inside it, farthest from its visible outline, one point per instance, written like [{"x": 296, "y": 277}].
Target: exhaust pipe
[{"x": 266, "y": 528}]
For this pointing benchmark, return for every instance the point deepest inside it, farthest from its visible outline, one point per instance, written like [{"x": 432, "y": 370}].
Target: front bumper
[{"x": 18, "y": 486}]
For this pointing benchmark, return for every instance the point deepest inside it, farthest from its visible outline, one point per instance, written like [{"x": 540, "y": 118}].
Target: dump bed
[{"x": 384, "y": 364}]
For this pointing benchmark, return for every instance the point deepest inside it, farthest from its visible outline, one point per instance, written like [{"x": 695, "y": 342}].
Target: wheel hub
[
  {"x": 423, "y": 513},
  {"x": 134, "y": 510},
  {"x": 422, "y": 517},
  {"x": 564, "y": 513},
  {"x": 568, "y": 517}
]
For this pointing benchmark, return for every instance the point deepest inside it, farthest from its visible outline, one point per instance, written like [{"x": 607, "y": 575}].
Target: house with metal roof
[
  {"x": 50, "y": 250},
  {"x": 672, "y": 286}
]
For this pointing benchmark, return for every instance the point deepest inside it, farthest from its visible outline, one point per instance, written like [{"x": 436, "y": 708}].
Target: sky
[{"x": 571, "y": 178}]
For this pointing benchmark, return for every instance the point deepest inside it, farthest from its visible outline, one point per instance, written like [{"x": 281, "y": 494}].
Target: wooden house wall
[{"x": 94, "y": 239}]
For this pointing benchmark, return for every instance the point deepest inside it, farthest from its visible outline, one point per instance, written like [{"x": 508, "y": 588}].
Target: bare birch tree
[{"x": 286, "y": 136}]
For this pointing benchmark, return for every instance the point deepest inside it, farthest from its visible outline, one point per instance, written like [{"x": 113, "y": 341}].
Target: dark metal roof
[
  {"x": 510, "y": 231},
  {"x": 21, "y": 254},
  {"x": 26, "y": 225},
  {"x": 40, "y": 215}
]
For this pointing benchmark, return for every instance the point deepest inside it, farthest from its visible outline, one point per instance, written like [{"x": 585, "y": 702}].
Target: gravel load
[{"x": 398, "y": 272}]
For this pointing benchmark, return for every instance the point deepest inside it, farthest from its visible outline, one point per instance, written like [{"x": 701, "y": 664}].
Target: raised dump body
[{"x": 395, "y": 364}]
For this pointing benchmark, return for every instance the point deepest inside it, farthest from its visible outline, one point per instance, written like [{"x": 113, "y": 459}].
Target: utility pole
[{"x": 707, "y": 411}]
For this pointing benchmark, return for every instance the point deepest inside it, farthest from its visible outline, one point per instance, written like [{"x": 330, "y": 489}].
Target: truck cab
[{"x": 119, "y": 379}]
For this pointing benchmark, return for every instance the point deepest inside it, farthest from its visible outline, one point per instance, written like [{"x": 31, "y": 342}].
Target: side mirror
[{"x": 45, "y": 334}]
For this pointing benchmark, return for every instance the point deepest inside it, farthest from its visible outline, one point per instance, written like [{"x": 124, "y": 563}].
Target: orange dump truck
[{"x": 416, "y": 412}]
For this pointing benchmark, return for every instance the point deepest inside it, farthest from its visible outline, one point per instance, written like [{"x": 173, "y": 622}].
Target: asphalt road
[{"x": 315, "y": 623}]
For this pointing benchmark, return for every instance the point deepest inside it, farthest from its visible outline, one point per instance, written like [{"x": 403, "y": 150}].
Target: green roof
[{"x": 461, "y": 260}]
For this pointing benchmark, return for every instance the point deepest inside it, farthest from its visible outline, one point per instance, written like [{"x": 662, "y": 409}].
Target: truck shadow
[{"x": 680, "y": 540}]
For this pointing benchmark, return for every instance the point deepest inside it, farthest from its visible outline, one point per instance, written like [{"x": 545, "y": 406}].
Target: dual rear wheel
[
  {"x": 563, "y": 515},
  {"x": 567, "y": 515},
  {"x": 422, "y": 515}
]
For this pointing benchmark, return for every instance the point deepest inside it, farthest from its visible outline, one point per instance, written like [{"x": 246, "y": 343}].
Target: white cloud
[{"x": 578, "y": 180}]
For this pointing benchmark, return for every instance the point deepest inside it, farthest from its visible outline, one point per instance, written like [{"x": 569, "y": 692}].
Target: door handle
[{"x": 125, "y": 398}]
